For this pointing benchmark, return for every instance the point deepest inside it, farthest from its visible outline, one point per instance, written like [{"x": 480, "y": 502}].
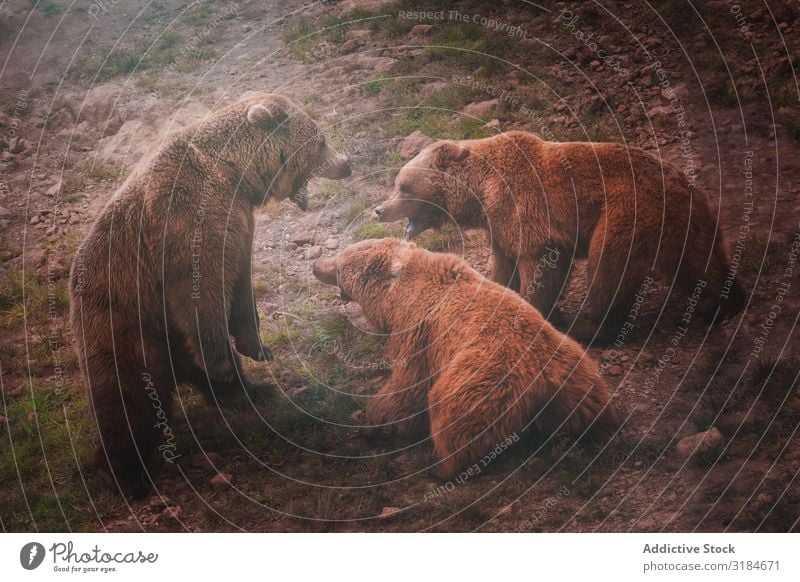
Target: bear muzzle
[
  {"x": 335, "y": 167},
  {"x": 325, "y": 270}
]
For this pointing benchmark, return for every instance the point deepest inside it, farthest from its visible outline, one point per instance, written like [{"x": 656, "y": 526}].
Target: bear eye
[{"x": 405, "y": 188}]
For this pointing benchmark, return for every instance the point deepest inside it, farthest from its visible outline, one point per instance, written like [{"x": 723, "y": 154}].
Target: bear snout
[
  {"x": 337, "y": 167},
  {"x": 388, "y": 212},
  {"x": 325, "y": 270}
]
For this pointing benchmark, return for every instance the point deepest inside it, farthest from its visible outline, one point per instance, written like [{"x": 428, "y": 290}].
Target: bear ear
[
  {"x": 452, "y": 152},
  {"x": 267, "y": 116}
]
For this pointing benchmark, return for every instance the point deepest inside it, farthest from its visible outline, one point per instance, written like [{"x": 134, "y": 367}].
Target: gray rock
[
  {"x": 55, "y": 189},
  {"x": 480, "y": 108},
  {"x": 411, "y": 145},
  {"x": 302, "y": 237},
  {"x": 422, "y": 30},
  {"x": 700, "y": 443},
  {"x": 314, "y": 252}
]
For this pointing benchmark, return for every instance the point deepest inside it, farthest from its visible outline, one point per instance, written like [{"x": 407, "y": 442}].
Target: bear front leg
[
  {"x": 504, "y": 269},
  {"x": 471, "y": 413},
  {"x": 200, "y": 317},
  {"x": 244, "y": 323},
  {"x": 543, "y": 278},
  {"x": 400, "y": 406}
]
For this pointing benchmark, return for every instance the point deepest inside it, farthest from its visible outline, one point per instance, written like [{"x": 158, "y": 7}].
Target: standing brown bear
[
  {"x": 545, "y": 204},
  {"x": 162, "y": 280},
  {"x": 471, "y": 361}
]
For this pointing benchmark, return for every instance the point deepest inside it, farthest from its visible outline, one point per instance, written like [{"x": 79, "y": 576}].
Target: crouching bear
[
  {"x": 471, "y": 361},
  {"x": 545, "y": 204},
  {"x": 162, "y": 281}
]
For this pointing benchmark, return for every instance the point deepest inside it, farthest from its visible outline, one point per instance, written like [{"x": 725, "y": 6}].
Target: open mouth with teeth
[{"x": 419, "y": 224}]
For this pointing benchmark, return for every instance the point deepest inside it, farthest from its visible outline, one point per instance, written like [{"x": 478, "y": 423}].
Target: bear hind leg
[{"x": 132, "y": 410}]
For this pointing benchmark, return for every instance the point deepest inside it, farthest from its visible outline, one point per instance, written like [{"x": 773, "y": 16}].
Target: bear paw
[
  {"x": 221, "y": 370},
  {"x": 254, "y": 350}
]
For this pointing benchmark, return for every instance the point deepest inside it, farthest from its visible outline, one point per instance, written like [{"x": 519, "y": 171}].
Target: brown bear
[
  {"x": 545, "y": 204},
  {"x": 471, "y": 360},
  {"x": 163, "y": 278}
]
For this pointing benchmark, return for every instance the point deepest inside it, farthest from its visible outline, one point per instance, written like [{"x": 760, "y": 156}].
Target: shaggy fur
[
  {"x": 471, "y": 361},
  {"x": 162, "y": 280},
  {"x": 631, "y": 215}
]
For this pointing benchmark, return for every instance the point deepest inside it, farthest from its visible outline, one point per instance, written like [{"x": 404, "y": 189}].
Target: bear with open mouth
[
  {"x": 472, "y": 363},
  {"x": 545, "y": 204},
  {"x": 162, "y": 280}
]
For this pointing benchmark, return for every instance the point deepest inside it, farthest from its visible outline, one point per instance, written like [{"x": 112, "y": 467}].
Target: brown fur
[
  {"x": 162, "y": 280},
  {"x": 629, "y": 214},
  {"x": 471, "y": 361}
]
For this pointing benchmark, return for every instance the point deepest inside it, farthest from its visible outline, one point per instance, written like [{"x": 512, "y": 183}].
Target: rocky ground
[{"x": 711, "y": 414}]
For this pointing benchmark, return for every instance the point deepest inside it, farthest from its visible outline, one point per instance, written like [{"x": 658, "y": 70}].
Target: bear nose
[{"x": 377, "y": 212}]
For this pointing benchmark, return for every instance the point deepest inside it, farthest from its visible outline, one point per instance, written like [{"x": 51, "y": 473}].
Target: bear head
[
  {"x": 391, "y": 279},
  {"x": 272, "y": 147},
  {"x": 365, "y": 272},
  {"x": 432, "y": 188}
]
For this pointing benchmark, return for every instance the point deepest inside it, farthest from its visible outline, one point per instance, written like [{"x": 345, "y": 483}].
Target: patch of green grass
[
  {"x": 328, "y": 191},
  {"x": 429, "y": 121},
  {"x": 71, "y": 198},
  {"x": 50, "y": 8},
  {"x": 301, "y": 36},
  {"x": 24, "y": 298},
  {"x": 444, "y": 240},
  {"x": 595, "y": 127},
  {"x": 169, "y": 50},
  {"x": 46, "y": 447},
  {"x": 374, "y": 86},
  {"x": 356, "y": 208},
  {"x": 103, "y": 171},
  {"x": 371, "y": 230}
]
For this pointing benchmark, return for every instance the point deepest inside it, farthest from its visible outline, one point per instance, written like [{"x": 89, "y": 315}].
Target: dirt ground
[{"x": 88, "y": 88}]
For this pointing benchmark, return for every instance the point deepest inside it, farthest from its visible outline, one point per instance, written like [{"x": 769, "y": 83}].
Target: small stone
[
  {"x": 389, "y": 512},
  {"x": 221, "y": 481},
  {"x": 4, "y": 212},
  {"x": 158, "y": 502},
  {"x": 331, "y": 244},
  {"x": 700, "y": 443},
  {"x": 422, "y": 30},
  {"x": 411, "y": 145},
  {"x": 361, "y": 33},
  {"x": 54, "y": 190},
  {"x": 314, "y": 252},
  {"x": 480, "y": 108},
  {"x": 660, "y": 111},
  {"x": 350, "y": 46},
  {"x": 357, "y": 416},
  {"x": 614, "y": 370},
  {"x": 302, "y": 237},
  {"x": 174, "y": 513},
  {"x": 493, "y": 124}
]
